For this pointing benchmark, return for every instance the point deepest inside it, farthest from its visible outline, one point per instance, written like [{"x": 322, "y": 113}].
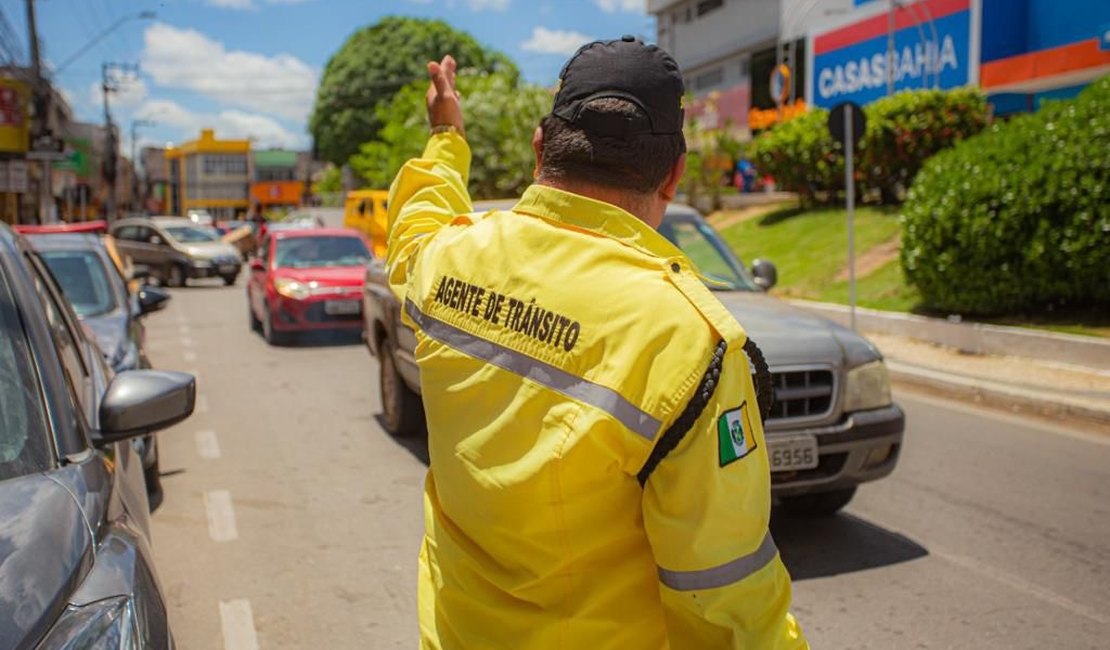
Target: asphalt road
[{"x": 291, "y": 520}]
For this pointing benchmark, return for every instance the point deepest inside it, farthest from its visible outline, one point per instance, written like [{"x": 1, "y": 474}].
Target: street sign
[
  {"x": 46, "y": 147},
  {"x": 780, "y": 83},
  {"x": 837, "y": 123}
]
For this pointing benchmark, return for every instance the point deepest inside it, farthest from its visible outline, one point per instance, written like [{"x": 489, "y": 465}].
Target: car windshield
[
  {"x": 23, "y": 444},
  {"x": 192, "y": 234},
  {"x": 315, "y": 252},
  {"x": 705, "y": 249},
  {"x": 83, "y": 279}
]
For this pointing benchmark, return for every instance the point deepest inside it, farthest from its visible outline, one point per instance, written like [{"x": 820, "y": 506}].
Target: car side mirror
[
  {"x": 766, "y": 275},
  {"x": 256, "y": 264},
  {"x": 152, "y": 299},
  {"x": 139, "y": 402}
]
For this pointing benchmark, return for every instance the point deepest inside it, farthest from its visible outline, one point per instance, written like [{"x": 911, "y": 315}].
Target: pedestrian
[{"x": 598, "y": 475}]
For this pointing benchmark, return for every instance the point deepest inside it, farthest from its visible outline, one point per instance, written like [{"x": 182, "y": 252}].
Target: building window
[
  {"x": 269, "y": 174},
  {"x": 705, "y": 6},
  {"x": 225, "y": 165},
  {"x": 708, "y": 80}
]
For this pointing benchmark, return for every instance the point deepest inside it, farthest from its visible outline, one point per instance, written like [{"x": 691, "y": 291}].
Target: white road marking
[
  {"x": 221, "y": 516},
  {"x": 189, "y": 355},
  {"x": 237, "y": 624},
  {"x": 208, "y": 446},
  {"x": 184, "y": 329},
  {"x": 202, "y": 403},
  {"x": 186, "y": 342},
  {"x": 1024, "y": 586}
]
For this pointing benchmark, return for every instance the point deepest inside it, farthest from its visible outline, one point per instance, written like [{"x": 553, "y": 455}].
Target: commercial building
[
  {"x": 276, "y": 181},
  {"x": 822, "y": 52},
  {"x": 209, "y": 174}
]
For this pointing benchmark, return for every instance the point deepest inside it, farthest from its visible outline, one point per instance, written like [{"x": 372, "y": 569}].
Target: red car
[{"x": 307, "y": 280}]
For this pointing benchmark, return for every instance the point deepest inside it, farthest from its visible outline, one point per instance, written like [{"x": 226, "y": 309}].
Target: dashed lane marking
[
  {"x": 186, "y": 342},
  {"x": 208, "y": 446},
  {"x": 221, "y": 516},
  {"x": 189, "y": 355},
  {"x": 202, "y": 403},
  {"x": 237, "y": 625}
]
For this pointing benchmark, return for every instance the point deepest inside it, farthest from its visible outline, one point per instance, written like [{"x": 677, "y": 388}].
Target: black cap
[{"x": 625, "y": 69}]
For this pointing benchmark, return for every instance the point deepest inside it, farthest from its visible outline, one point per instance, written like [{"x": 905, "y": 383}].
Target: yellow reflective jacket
[{"x": 558, "y": 343}]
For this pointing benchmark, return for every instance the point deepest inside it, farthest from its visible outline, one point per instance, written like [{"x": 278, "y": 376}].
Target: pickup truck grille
[{"x": 804, "y": 393}]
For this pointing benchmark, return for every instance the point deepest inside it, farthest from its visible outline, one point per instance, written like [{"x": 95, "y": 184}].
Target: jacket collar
[{"x": 598, "y": 217}]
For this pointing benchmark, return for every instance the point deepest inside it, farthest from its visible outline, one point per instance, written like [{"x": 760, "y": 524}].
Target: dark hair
[{"x": 638, "y": 163}]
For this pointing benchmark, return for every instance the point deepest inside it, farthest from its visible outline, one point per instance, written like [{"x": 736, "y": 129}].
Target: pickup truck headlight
[
  {"x": 867, "y": 387},
  {"x": 108, "y": 624},
  {"x": 292, "y": 288}
]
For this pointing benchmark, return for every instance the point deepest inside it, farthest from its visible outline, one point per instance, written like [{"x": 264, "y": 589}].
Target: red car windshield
[{"x": 321, "y": 251}]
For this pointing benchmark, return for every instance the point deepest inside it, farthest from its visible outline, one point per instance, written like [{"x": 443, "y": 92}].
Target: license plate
[
  {"x": 342, "y": 307},
  {"x": 792, "y": 453},
  {"x": 227, "y": 268}
]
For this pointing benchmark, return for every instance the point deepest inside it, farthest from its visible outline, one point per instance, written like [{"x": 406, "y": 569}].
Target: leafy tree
[
  {"x": 501, "y": 114},
  {"x": 329, "y": 180},
  {"x": 373, "y": 65}
]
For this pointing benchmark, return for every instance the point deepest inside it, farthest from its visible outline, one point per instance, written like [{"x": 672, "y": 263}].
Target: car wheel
[
  {"x": 402, "y": 410},
  {"x": 175, "y": 276},
  {"x": 820, "y": 504},
  {"x": 272, "y": 336}
]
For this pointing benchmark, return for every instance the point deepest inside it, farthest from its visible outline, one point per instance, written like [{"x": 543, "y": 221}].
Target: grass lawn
[{"x": 810, "y": 249}]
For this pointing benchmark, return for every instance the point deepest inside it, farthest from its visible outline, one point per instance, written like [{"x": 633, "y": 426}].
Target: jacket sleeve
[
  {"x": 428, "y": 193},
  {"x": 706, "y": 508}
]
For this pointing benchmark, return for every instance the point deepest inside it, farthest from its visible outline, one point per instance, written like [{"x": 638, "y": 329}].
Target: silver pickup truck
[{"x": 832, "y": 425}]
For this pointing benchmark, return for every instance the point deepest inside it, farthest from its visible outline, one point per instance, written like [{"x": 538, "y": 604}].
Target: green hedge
[
  {"x": 903, "y": 131},
  {"x": 1016, "y": 219}
]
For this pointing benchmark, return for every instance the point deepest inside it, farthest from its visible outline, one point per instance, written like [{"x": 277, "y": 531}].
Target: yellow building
[{"x": 209, "y": 174}]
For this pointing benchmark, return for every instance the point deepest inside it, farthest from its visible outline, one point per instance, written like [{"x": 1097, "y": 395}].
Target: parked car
[
  {"x": 98, "y": 294},
  {"x": 306, "y": 280},
  {"x": 176, "y": 249},
  {"x": 832, "y": 426},
  {"x": 75, "y": 556}
]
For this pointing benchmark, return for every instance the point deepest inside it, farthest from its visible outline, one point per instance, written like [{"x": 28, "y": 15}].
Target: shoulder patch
[{"x": 734, "y": 435}]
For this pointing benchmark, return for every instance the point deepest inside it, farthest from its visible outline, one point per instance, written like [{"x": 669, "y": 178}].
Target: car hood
[
  {"x": 44, "y": 548},
  {"x": 210, "y": 249},
  {"x": 110, "y": 331},
  {"x": 336, "y": 276},
  {"x": 789, "y": 335}
]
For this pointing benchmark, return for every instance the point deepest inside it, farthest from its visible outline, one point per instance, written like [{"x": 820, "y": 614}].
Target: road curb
[
  {"x": 974, "y": 338},
  {"x": 993, "y": 393}
]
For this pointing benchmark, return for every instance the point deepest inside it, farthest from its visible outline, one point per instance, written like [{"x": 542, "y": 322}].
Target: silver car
[
  {"x": 832, "y": 425},
  {"x": 176, "y": 249}
]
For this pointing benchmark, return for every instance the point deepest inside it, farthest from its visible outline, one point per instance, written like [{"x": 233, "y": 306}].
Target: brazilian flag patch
[{"x": 734, "y": 435}]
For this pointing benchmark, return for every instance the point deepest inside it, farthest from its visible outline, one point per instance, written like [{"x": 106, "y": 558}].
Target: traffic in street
[{"x": 291, "y": 518}]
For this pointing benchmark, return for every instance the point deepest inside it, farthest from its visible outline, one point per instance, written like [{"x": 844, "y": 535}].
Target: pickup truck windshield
[
  {"x": 709, "y": 254},
  {"x": 192, "y": 234},
  {"x": 321, "y": 251},
  {"x": 23, "y": 443}
]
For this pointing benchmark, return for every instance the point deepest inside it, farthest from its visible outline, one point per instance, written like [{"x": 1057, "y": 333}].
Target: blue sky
[{"x": 249, "y": 67}]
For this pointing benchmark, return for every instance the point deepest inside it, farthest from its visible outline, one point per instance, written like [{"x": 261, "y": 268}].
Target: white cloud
[
  {"x": 555, "y": 41},
  {"x": 264, "y": 130},
  {"x": 493, "y": 5},
  {"x": 281, "y": 85},
  {"x": 629, "y": 6},
  {"x": 232, "y": 4}
]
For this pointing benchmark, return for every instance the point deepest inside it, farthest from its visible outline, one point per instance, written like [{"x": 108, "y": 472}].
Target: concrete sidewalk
[{"x": 1042, "y": 372}]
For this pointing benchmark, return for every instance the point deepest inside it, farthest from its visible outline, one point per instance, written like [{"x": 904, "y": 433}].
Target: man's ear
[
  {"x": 537, "y": 147},
  {"x": 669, "y": 189}
]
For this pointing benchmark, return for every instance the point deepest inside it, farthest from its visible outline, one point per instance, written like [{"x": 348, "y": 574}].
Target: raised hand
[{"x": 444, "y": 101}]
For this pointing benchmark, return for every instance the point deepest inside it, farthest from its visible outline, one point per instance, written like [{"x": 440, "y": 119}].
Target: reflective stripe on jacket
[{"x": 556, "y": 343}]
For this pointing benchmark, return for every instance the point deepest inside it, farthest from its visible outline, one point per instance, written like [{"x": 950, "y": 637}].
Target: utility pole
[
  {"x": 40, "y": 99},
  {"x": 108, "y": 85}
]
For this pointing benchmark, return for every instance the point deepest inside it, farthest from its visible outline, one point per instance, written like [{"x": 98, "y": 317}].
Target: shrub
[
  {"x": 906, "y": 129},
  {"x": 801, "y": 155},
  {"x": 1017, "y": 218},
  {"x": 903, "y": 131}
]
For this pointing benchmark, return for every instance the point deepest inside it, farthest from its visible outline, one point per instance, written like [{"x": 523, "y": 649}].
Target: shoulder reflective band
[
  {"x": 598, "y": 396},
  {"x": 685, "y": 421},
  {"x": 723, "y": 575}
]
